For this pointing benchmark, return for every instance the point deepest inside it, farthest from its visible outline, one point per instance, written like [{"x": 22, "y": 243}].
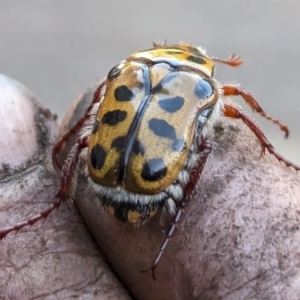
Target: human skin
[
  {"x": 238, "y": 237},
  {"x": 58, "y": 258}
]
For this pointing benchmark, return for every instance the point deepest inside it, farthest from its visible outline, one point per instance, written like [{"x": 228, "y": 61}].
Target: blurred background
[{"x": 58, "y": 48}]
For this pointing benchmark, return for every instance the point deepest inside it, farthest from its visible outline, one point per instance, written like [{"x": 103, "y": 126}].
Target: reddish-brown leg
[
  {"x": 233, "y": 60},
  {"x": 67, "y": 188},
  {"x": 233, "y": 112},
  {"x": 234, "y": 90},
  {"x": 75, "y": 128},
  {"x": 205, "y": 148}
]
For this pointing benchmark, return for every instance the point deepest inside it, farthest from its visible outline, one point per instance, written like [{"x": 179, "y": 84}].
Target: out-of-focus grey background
[{"x": 58, "y": 48}]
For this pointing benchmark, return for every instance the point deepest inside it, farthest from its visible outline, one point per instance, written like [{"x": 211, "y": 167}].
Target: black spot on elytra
[
  {"x": 203, "y": 89},
  {"x": 174, "y": 52},
  {"x": 114, "y": 117},
  {"x": 171, "y": 104},
  {"x": 178, "y": 145},
  {"x": 154, "y": 169},
  {"x": 195, "y": 51},
  {"x": 162, "y": 128},
  {"x": 157, "y": 88},
  {"x": 114, "y": 72},
  {"x": 138, "y": 148},
  {"x": 160, "y": 87},
  {"x": 123, "y": 93},
  {"x": 95, "y": 127},
  {"x": 118, "y": 143},
  {"x": 98, "y": 156},
  {"x": 196, "y": 59}
]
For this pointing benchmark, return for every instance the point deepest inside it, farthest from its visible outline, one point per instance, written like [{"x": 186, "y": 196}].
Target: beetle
[{"x": 143, "y": 141}]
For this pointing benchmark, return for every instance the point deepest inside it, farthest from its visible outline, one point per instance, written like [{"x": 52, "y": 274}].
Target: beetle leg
[
  {"x": 233, "y": 60},
  {"x": 205, "y": 147},
  {"x": 67, "y": 190},
  {"x": 159, "y": 43},
  {"x": 233, "y": 112},
  {"x": 57, "y": 147},
  {"x": 234, "y": 90}
]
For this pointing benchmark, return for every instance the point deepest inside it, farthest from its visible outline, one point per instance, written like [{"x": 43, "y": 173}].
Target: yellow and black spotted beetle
[{"x": 143, "y": 139}]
